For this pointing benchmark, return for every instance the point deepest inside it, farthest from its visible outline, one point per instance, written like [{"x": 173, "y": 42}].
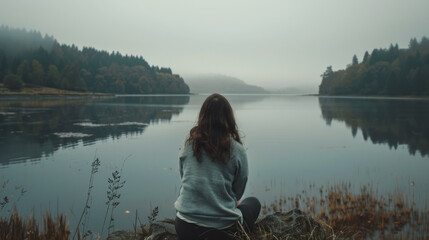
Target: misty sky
[{"x": 268, "y": 43}]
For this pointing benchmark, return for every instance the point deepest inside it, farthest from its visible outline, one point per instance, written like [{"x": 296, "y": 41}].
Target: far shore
[
  {"x": 34, "y": 90},
  {"x": 371, "y": 96},
  {"x": 46, "y": 91}
]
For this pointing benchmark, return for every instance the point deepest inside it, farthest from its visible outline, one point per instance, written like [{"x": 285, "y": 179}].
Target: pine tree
[
  {"x": 365, "y": 57},
  {"x": 355, "y": 60}
]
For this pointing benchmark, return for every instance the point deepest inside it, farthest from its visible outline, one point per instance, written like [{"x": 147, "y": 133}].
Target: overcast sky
[{"x": 268, "y": 43}]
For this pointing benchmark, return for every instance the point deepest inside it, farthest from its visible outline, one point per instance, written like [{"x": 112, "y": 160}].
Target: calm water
[{"x": 47, "y": 146}]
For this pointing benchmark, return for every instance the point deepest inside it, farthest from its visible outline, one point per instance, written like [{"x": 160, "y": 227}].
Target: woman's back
[{"x": 210, "y": 189}]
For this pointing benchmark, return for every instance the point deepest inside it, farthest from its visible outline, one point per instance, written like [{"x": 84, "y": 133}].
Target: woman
[{"x": 213, "y": 171}]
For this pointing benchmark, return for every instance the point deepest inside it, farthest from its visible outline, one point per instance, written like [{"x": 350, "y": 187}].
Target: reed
[
  {"x": 365, "y": 213},
  {"x": 84, "y": 216},
  {"x": 17, "y": 227},
  {"x": 10, "y": 196},
  {"x": 152, "y": 217},
  {"x": 113, "y": 195}
]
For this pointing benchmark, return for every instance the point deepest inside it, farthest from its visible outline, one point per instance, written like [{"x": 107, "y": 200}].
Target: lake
[{"x": 47, "y": 146}]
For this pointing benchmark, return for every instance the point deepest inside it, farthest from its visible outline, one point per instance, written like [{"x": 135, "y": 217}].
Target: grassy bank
[
  {"x": 342, "y": 213},
  {"x": 45, "y": 91}
]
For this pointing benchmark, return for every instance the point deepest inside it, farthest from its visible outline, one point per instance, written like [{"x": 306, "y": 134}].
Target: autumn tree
[
  {"x": 24, "y": 71},
  {"x": 53, "y": 78},
  {"x": 71, "y": 78},
  {"x": 37, "y": 75}
]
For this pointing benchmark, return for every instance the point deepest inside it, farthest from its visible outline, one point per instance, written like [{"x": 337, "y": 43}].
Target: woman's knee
[
  {"x": 250, "y": 208},
  {"x": 252, "y": 202}
]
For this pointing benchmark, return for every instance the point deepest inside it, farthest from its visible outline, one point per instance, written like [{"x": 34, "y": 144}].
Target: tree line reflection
[
  {"x": 383, "y": 121},
  {"x": 33, "y": 128}
]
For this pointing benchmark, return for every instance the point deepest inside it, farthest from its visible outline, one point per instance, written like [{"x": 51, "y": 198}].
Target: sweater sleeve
[{"x": 241, "y": 174}]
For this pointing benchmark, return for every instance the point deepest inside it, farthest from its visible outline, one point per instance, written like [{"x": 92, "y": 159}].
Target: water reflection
[
  {"x": 32, "y": 128},
  {"x": 387, "y": 121}
]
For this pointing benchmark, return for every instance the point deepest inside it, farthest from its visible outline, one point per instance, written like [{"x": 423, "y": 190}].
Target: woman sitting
[{"x": 213, "y": 170}]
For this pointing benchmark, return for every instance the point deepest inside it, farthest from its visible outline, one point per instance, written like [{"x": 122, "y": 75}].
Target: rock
[
  {"x": 292, "y": 225},
  {"x": 162, "y": 230},
  {"x": 125, "y": 235}
]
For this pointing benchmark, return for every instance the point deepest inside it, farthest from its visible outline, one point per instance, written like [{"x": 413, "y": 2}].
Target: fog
[{"x": 273, "y": 44}]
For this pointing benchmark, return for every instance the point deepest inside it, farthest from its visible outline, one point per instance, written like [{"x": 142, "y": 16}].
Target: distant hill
[
  {"x": 27, "y": 58},
  {"x": 391, "y": 71},
  {"x": 211, "y": 83}
]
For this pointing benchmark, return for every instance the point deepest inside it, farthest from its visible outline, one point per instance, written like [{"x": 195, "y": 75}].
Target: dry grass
[
  {"x": 18, "y": 228},
  {"x": 337, "y": 213},
  {"x": 359, "y": 215}
]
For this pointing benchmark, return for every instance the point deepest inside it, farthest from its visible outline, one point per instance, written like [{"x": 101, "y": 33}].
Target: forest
[
  {"x": 389, "y": 72},
  {"x": 29, "y": 59}
]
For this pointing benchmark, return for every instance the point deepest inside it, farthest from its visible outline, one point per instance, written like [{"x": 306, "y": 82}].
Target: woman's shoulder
[
  {"x": 185, "y": 148},
  {"x": 238, "y": 149}
]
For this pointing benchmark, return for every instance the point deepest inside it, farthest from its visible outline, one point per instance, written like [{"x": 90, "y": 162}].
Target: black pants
[{"x": 249, "y": 207}]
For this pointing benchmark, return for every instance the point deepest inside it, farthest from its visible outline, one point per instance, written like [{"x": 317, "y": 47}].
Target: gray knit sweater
[{"x": 210, "y": 189}]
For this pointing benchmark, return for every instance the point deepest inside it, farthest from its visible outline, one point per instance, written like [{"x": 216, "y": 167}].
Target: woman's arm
[
  {"x": 182, "y": 156},
  {"x": 241, "y": 175}
]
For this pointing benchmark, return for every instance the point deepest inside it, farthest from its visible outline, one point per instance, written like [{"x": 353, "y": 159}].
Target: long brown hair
[{"x": 214, "y": 130}]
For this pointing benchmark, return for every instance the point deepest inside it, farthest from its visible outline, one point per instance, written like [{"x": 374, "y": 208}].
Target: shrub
[{"x": 13, "y": 82}]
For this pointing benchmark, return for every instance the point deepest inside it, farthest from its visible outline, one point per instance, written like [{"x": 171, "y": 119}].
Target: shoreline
[
  {"x": 29, "y": 91},
  {"x": 42, "y": 91},
  {"x": 338, "y": 213},
  {"x": 423, "y": 97}
]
